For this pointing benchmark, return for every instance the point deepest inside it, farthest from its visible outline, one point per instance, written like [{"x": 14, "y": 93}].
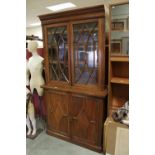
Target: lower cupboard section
[{"x": 76, "y": 118}]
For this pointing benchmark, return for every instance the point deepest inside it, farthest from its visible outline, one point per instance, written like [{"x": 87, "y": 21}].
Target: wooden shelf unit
[{"x": 119, "y": 61}]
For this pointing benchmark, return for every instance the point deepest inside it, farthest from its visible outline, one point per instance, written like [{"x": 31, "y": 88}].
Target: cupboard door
[
  {"x": 84, "y": 124},
  {"x": 57, "y": 112},
  {"x": 57, "y": 45},
  {"x": 85, "y": 53}
]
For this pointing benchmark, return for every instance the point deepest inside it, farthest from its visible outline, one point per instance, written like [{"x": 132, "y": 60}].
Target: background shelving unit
[{"x": 118, "y": 56}]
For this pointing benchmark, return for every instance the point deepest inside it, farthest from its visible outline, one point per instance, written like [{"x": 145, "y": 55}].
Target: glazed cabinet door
[
  {"x": 57, "y": 113},
  {"x": 87, "y": 52},
  {"x": 57, "y": 54},
  {"x": 85, "y": 113}
]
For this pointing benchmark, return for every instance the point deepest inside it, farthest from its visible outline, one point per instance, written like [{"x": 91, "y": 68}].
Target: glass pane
[
  {"x": 85, "y": 53},
  {"x": 120, "y": 29},
  {"x": 58, "y": 53}
]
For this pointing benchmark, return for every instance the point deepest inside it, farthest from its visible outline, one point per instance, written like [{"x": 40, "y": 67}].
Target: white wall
[{"x": 36, "y": 31}]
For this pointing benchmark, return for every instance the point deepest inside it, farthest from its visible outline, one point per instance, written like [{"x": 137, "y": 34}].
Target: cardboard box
[{"x": 116, "y": 138}]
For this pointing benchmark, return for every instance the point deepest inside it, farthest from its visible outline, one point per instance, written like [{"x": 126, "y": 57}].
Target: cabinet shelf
[
  {"x": 119, "y": 80},
  {"x": 56, "y": 62},
  {"x": 119, "y": 30},
  {"x": 119, "y": 58}
]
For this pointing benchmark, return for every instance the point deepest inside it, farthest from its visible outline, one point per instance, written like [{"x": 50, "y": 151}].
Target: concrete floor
[{"x": 44, "y": 144}]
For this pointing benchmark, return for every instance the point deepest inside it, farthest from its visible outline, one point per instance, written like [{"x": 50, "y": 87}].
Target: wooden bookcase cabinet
[
  {"x": 75, "y": 92},
  {"x": 118, "y": 56}
]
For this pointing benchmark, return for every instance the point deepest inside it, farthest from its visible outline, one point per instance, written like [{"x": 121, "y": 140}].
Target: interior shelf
[
  {"x": 119, "y": 80},
  {"x": 120, "y": 58},
  {"x": 119, "y": 30}
]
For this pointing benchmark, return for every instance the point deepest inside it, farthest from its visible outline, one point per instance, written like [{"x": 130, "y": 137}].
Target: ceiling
[{"x": 34, "y": 8}]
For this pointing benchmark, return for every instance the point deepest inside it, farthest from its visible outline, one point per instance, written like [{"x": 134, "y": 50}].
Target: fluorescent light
[
  {"x": 61, "y": 6},
  {"x": 35, "y": 24}
]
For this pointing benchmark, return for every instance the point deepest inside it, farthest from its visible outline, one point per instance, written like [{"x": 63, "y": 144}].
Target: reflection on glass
[
  {"x": 120, "y": 29},
  {"x": 85, "y": 53},
  {"x": 58, "y": 53}
]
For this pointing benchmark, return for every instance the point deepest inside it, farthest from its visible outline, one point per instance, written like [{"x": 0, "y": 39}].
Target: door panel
[
  {"x": 57, "y": 105},
  {"x": 58, "y": 53},
  {"x": 85, "y": 51},
  {"x": 84, "y": 124}
]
